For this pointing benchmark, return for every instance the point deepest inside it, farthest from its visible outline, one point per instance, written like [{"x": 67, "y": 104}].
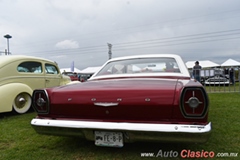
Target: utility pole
[
  {"x": 109, "y": 50},
  {"x": 8, "y": 37}
]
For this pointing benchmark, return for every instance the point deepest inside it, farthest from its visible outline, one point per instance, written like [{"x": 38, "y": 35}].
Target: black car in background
[{"x": 216, "y": 77}]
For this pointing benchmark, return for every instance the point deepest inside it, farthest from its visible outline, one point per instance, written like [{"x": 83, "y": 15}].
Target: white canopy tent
[
  {"x": 204, "y": 64},
  {"x": 230, "y": 63},
  {"x": 90, "y": 70}
]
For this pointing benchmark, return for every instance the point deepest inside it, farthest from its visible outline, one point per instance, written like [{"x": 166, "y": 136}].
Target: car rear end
[{"x": 112, "y": 112}]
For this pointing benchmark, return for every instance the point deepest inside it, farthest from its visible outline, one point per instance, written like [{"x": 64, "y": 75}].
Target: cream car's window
[
  {"x": 51, "y": 69},
  {"x": 30, "y": 67}
]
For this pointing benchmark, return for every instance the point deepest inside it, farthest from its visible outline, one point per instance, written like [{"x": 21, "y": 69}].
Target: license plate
[{"x": 108, "y": 139}]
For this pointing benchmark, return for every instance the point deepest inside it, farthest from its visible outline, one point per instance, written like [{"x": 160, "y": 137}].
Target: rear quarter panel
[{"x": 8, "y": 92}]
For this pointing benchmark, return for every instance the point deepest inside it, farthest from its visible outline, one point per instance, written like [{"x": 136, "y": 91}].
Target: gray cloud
[
  {"x": 66, "y": 44},
  {"x": 80, "y": 30}
]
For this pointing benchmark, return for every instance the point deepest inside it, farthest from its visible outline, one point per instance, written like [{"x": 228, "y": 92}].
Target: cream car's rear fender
[{"x": 8, "y": 92}]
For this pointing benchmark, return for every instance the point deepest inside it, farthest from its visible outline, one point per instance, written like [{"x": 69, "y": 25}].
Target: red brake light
[
  {"x": 194, "y": 103},
  {"x": 40, "y": 101}
]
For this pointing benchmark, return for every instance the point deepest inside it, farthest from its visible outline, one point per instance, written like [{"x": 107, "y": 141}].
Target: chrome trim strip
[
  {"x": 105, "y": 104},
  {"x": 122, "y": 126}
]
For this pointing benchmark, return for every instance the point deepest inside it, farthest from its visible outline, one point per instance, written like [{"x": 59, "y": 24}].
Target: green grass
[{"x": 18, "y": 141}]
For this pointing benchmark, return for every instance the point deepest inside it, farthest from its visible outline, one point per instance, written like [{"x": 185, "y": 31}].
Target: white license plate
[{"x": 108, "y": 139}]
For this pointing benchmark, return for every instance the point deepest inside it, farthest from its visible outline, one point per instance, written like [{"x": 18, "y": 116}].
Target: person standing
[
  {"x": 231, "y": 75},
  {"x": 196, "y": 71},
  {"x": 226, "y": 72}
]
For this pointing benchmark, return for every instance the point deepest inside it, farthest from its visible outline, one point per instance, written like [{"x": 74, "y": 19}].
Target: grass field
[{"x": 20, "y": 142}]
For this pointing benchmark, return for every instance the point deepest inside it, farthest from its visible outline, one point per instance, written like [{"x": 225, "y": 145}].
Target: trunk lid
[{"x": 147, "y": 99}]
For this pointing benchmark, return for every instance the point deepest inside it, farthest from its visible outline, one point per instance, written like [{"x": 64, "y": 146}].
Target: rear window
[
  {"x": 30, "y": 67},
  {"x": 141, "y": 65}
]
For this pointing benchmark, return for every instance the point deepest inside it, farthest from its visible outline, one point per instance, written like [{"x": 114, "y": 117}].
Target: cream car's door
[{"x": 52, "y": 75}]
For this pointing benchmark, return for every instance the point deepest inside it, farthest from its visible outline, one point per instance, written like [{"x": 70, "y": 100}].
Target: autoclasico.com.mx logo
[{"x": 186, "y": 153}]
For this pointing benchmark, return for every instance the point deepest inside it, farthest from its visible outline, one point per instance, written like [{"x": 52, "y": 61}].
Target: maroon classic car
[
  {"x": 73, "y": 75},
  {"x": 135, "y": 98}
]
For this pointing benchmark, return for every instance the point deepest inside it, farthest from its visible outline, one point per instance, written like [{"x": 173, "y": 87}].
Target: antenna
[{"x": 109, "y": 50}]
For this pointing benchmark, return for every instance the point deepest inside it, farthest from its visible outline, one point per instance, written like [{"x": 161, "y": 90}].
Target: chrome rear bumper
[{"x": 132, "y": 131}]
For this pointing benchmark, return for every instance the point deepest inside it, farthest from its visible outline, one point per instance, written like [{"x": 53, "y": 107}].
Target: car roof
[
  {"x": 145, "y": 56},
  {"x": 6, "y": 59}
]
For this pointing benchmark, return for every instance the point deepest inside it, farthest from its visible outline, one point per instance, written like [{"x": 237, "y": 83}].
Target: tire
[{"x": 22, "y": 103}]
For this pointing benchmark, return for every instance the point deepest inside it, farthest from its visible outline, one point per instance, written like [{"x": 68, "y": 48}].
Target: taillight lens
[
  {"x": 194, "y": 102},
  {"x": 40, "y": 101}
]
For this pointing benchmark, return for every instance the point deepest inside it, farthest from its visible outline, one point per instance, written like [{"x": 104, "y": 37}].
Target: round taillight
[
  {"x": 40, "y": 102},
  {"x": 194, "y": 102}
]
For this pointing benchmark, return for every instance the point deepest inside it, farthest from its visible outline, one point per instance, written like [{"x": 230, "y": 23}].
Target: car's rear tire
[{"x": 22, "y": 103}]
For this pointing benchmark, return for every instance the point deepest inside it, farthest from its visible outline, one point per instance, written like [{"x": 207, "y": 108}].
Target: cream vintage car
[{"x": 20, "y": 75}]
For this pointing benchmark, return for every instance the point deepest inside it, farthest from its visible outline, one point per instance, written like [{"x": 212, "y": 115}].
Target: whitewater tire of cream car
[
  {"x": 130, "y": 99},
  {"x": 20, "y": 75}
]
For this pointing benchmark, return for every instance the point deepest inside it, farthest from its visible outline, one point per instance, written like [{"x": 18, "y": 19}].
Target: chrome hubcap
[{"x": 20, "y": 102}]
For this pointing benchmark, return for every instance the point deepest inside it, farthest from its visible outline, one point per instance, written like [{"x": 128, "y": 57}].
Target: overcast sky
[{"x": 79, "y": 30}]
